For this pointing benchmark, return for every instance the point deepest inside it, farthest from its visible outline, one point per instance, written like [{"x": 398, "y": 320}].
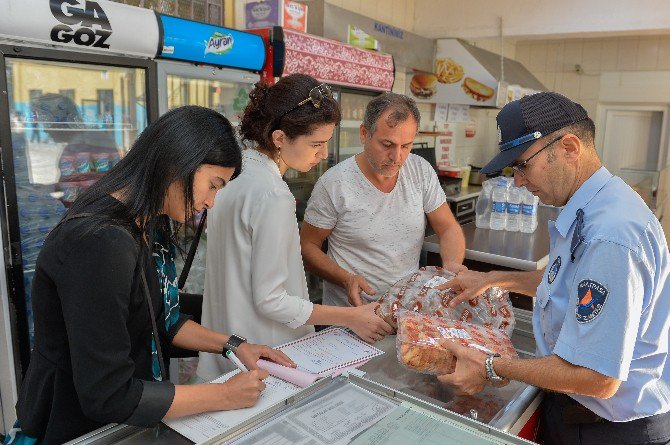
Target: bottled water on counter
[
  {"x": 513, "y": 208},
  {"x": 528, "y": 211},
  {"x": 498, "y": 208},
  {"x": 483, "y": 207}
]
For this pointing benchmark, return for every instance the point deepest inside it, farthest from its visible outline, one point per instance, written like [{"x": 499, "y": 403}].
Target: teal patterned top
[{"x": 164, "y": 254}]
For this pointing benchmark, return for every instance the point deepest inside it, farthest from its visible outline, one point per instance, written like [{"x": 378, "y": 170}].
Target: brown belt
[{"x": 572, "y": 412}]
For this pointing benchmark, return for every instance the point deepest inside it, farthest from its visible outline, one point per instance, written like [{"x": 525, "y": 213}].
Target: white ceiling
[{"x": 540, "y": 19}]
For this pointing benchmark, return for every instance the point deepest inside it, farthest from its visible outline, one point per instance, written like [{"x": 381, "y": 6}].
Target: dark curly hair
[{"x": 269, "y": 105}]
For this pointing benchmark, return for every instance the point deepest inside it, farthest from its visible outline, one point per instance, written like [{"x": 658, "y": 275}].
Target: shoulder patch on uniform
[
  {"x": 553, "y": 270},
  {"x": 591, "y": 297}
]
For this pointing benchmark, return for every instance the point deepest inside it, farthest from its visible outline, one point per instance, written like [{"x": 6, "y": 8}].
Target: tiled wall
[
  {"x": 399, "y": 13},
  {"x": 554, "y": 62}
]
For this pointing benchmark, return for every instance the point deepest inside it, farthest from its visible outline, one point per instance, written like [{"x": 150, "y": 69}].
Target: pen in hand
[{"x": 233, "y": 358}]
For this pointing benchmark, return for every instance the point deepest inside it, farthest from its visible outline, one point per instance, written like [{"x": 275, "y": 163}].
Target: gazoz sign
[
  {"x": 86, "y": 25},
  {"x": 78, "y": 22}
]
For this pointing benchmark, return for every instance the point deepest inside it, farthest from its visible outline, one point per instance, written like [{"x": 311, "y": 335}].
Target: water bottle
[
  {"x": 483, "y": 207},
  {"x": 499, "y": 204},
  {"x": 529, "y": 212},
  {"x": 513, "y": 208}
]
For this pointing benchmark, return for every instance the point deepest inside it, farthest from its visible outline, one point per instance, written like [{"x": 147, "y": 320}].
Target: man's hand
[
  {"x": 354, "y": 285},
  {"x": 467, "y": 284},
  {"x": 454, "y": 267},
  {"x": 470, "y": 374}
]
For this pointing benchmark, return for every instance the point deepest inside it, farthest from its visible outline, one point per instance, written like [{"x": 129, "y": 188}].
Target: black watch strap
[{"x": 232, "y": 344}]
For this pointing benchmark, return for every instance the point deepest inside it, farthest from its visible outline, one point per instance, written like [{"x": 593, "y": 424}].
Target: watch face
[{"x": 236, "y": 340}]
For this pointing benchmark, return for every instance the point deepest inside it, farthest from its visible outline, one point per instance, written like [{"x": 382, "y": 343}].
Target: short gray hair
[{"x": 402, "y": 107}]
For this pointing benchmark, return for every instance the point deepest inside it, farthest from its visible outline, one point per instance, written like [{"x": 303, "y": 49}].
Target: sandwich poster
[{"x": 457, "y": 78}]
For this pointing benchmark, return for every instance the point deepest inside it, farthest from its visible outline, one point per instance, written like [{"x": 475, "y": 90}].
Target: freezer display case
[{"x": 340, "y": 410}]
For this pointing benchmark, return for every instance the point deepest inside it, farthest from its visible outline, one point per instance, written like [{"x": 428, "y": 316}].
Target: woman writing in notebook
[
  {"x": 261, "y": 292},
  {"x": 104, "y": 294}
]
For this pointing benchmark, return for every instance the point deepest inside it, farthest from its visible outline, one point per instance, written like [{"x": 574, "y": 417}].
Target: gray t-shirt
[{"x": 374, "y": 234}]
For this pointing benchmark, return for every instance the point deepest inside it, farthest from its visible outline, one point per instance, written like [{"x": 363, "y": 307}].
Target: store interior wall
[
  {"x": 591, "y": 71},
  {"x": 398, "y": 13},
  {"x": 574, "y": 67},
  {"x": 525, "y": 19}
]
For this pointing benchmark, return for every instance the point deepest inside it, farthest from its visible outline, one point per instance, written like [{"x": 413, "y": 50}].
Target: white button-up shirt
[{"x": 254, "y": 280}]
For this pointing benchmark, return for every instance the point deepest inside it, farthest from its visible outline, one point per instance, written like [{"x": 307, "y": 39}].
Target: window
[
  {"x": 69, "y": 93},
  {"x": 106, "y": 106},
  {"x": 215, "y": 12}
]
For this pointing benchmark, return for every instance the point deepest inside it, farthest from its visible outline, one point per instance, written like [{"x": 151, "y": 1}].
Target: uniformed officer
[{"x": 602, "y": 311}]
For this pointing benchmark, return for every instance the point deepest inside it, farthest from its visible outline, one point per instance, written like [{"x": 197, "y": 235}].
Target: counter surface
[
  {"x": 487, "y": 405},
  {"x": 466, "y": 193},
  {"x": 516, "y": 250},
  {"x": 498, "y": 407}
]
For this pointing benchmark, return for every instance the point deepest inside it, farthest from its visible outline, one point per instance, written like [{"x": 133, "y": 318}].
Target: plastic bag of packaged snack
[
  {"x": 419, "y": 336},
  {"x": 416, "y": 292}
]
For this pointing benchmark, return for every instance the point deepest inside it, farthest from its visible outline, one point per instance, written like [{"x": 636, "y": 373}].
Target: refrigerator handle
[{"x": 15, "y": 254}]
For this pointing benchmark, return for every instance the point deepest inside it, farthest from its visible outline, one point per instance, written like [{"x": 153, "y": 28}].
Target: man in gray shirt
[{"x": 372, "y": 208}]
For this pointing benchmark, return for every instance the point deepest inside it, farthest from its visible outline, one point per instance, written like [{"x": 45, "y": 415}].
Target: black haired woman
[
  {"x": 100, "y": 300},
  {"x": 290, "y": 123}
]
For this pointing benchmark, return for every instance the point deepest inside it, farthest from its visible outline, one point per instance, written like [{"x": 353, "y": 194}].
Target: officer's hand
[
  {"x": 467, "y": 285},
  {"x": 354, "y": 285},
  {"x": 470, "y": 374}
]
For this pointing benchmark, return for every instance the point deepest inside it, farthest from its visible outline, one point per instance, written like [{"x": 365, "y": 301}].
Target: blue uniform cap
[{"x": 523, "y": 121}]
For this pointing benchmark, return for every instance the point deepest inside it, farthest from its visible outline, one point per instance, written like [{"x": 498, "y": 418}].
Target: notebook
[
  {"x": 316, "y": 355},
  {"x": 321, "y": 354}
]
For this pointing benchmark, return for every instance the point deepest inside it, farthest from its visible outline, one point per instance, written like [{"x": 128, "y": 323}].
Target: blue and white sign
[
  {"x": 203, "y": 43},
  {"x": 81, "y": 25}
]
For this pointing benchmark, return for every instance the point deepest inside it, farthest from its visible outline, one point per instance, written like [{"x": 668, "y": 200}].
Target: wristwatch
[
  {"x": 232, "y": 344},
  {"x": 490, "y": 372}
]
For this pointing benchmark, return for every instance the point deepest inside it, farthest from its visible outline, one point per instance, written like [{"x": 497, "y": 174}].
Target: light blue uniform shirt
[{"x": 609, "y": 310}]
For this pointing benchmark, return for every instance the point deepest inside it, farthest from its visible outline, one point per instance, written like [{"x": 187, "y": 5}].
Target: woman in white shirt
[{"x": 255, "y": 280}]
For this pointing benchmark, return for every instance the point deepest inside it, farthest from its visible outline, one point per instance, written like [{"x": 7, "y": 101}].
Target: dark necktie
[{"x": 577, "y": 237}]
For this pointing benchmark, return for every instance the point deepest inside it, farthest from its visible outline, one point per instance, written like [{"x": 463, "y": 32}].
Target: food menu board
[{"x": 457, "y": 78}]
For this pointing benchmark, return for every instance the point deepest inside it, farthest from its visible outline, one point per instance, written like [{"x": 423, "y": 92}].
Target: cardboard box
[{"x": 268, "y": 13}]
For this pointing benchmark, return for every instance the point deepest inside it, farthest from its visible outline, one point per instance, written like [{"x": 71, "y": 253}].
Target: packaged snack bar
[
  {"x": 416, "y": 292},
  {"x": 419, "y": 337}
]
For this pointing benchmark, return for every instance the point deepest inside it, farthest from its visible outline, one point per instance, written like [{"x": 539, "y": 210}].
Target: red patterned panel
[{"x": 335, "y": 62}]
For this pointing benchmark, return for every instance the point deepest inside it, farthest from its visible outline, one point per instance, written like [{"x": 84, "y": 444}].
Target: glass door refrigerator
[
  {"x": 214, "y": 67},
  {"x": 210, "y": 66},
  {"x": 71, "y": 108},
  {"x": 352, "y": 103}
]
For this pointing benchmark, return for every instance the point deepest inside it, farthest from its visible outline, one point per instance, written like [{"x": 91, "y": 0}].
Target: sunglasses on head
[{"x": 316, "y": 96}]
